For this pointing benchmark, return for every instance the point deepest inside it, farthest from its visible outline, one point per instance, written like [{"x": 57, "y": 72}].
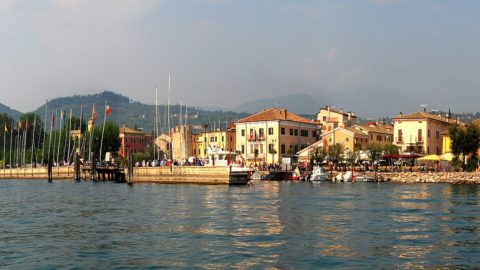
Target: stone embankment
[
  {"x": 432, "y": 177},
  {"x": 36, "y": 173}
]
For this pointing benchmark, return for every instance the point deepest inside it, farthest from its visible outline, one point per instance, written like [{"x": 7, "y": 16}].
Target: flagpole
[
  {"x": 59, "y": 137},
  {"x": 103, "y": 130},
  {"x": 4, "y": 146},
  {"x": 94, "y": 118},
  {"x": 50, "y": 137},
  {"x": 16, "y": 147},
  {"x": 67, "y": 137},
  {"x": 168, "y": 113},
  {"x": 11, "y": 140},
  {"x": 156, "y": 121},
  {"x": 25, "y": 142},
  {"x": 33, "y": 139},
  {"x": 80, "y": 136},
  {"x": 44, "y": 132}
]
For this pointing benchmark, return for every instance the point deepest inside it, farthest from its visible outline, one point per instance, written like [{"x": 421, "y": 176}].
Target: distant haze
[{"x": 376, "y": 57}]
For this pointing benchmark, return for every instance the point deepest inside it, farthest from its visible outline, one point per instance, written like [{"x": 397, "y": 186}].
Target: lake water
[{"x": 284, "y": 225}]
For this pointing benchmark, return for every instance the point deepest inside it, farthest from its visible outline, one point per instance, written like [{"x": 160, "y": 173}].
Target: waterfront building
[
  {"x": 181, "y": 142},
  {"x": 273, "y": 134},
  {"x": 419, "y": 132},
  {"x": 221, "y": 139},
  {"x": 330, "y": 118},
  {"x": 380, "y": 134},
  {"x": 131, "y": 141},
  {"x": 349, "y": 138}
]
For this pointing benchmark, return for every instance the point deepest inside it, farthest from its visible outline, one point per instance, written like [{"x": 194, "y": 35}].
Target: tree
[
  {"x": 335, "y": 152},
  {"x": 317, "y": 155},
  {"x": 111, "y": 139},
  {"x": 373, "y": 151},
  {"x": 465, "y": 142},
  {"x": 390, "y": 149}
]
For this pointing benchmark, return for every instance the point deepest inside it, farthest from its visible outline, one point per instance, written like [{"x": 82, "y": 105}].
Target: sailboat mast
[
  {"x": 156, "y": 124},
  {"x": 168, "y": 113}
]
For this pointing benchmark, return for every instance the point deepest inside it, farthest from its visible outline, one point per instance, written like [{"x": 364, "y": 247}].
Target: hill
[
  {"x": 134, "y": 114},
  {"x": 296, "y": 103},
  {"x": 5, "y": 109}
]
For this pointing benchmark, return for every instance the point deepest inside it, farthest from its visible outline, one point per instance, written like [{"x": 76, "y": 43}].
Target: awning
[
  {"x": 430, "y": 158},
  {"x": 396, "y": 156}
]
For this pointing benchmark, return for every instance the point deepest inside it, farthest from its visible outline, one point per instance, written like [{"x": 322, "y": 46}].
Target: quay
[{"x": 221, "y": 175}]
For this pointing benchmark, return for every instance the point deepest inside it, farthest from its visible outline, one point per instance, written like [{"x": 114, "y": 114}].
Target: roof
[
  {"x": 275, "y": 114},
  {"x": 125, "y": 129},
  {"x": 352, "y": 114},
  {"x": 425, "y": 115},
  {"x": 377, "y": 129},
  {"x": 353, "y": 131}
]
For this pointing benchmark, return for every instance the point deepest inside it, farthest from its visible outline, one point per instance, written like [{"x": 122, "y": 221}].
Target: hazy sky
[{"x": 226, "y": 52}]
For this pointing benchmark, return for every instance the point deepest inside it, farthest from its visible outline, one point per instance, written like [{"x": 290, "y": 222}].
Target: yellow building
[
  {"x": 420, "y": 132},
  {"x": 377, "y": 134},
  {"x": 330, "y": 118},
  {"x": 222, "y": 139},
  {"x": 272, "y": 134},
  {"x": 346, "y": 137}
]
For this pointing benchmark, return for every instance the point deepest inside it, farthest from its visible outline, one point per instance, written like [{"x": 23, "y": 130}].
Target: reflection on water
[{"x": 273, "y": 225}]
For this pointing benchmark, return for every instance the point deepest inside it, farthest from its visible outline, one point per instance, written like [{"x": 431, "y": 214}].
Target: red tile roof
[
  {"x": 424, "y": 115},
  {"x": 274, "y": 114},
  {"x": 125, "y": 129}
]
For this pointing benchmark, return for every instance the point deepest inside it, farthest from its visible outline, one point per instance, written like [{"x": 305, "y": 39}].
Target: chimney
[
  {"x": 328, "y": 109},
  {"x": 440, "y": 115},
  {"x": 341, "y": 110},
  {"x": 286, "y": 114},
  {"x": 424, "y": 109},
  {"x": 401, "y": 114}
]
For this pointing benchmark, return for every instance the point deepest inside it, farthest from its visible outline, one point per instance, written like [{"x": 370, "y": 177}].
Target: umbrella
[
  {"x": 447, "y": 157},
  {"x": 430, "y": 158}
]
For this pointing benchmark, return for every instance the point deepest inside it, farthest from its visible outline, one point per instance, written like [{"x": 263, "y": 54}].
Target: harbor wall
[
  {"x": 190, "y": 175},
  {"x": 432, "y": 177},
  {"x": 37, "y": 173}
]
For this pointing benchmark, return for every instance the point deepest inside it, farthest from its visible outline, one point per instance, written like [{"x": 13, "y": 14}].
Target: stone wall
[
  {"x": 36, "y": 173},
  {"x": 432, "y": 177}
]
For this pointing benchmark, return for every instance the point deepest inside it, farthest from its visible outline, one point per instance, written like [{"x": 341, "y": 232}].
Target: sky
[{"x": 226, "y": 52}]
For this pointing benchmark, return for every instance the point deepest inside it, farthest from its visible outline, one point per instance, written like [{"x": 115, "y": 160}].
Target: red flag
[
  {"x": 20, "y": 124},
  {"x": 108, "y": 110},
  {"x": 53, "y": 120}
]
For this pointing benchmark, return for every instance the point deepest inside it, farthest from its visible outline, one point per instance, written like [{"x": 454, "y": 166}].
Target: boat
[
  {"x": 363, "y": 178},
  {"x": 281, "y": 176},
  {"x": 318, "y": 174},
  {"x": 343, "y": 177}
]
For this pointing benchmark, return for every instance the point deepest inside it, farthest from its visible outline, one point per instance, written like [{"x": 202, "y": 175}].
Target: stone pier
[{"x": 432, "y": 177}]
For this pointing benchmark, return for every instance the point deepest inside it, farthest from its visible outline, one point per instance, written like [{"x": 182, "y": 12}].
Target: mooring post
[
  {"x": 93, "y": 168},
  {"x": 130, "y": 168},
  {"x": 50, "y": 165},
  {"x": 76, "y": 167}
]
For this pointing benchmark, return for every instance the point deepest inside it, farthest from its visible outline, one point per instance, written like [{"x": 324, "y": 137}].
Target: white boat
[
  {"x": 343, "y": 177},
  {"x": 363, "y": 178},
  {"x": 220, "y": 158},
  {"x": 318, "y": 174}
]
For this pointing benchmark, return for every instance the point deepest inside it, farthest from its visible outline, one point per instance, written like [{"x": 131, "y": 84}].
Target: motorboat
[
  {"x": 318, "y": 174},
  {"x": 363, "y": 178},
  {"x": 343, "y": 177}
]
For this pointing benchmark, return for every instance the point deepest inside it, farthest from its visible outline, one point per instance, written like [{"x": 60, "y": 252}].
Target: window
[
  {"x": 379, "y": 138},
  {"x": 223, "y": 138},
  {"x": 428, "y": 133},
  {"x": 324, "y": 119},
  {"x": 270, "y": 148},
  {"x": 243, "y": 132},
  {"x": 261, "y": 148},
  {"x": 314, "y": 134},
  {"x": 296, "y": 132},
  {"x": 437, "y": 134},
  {"x": 438, "y": 151},
  {"x": 347, "y": 139},
  {"x": 428, "y": 150},
  {"x": 261, "y": 133},
  {"x": 296, "y": 148},
  {"x": 283, "y": 148},
  {"x": 400, "y": 136},
  {"x": 270, "y": 131},
  {"x": 282, "y": 131},
  {"x": 243, "y": 149},
  {"x": 420, "y": 135},
  {"x": 304, "y": 133},
  {"x": 291, "y": 132}
]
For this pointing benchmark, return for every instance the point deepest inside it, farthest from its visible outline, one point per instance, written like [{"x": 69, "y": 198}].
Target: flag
[
  {"x": 26, "y": 124},
  {"x": 94, "y": 115},
  {"x": 6, "y": 129},
  {"x": 20, "y": 124},
  {"x": 108, "y": 110},
  {"x": 53, "y": 120}
]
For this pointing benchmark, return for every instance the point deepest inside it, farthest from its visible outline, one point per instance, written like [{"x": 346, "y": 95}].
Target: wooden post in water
[
  {"x": 93, "y": 169},
  {"x": 76, "y": 167},
  {"x": 49, "y": 169},
  {"x": 130, "y": 169}
]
